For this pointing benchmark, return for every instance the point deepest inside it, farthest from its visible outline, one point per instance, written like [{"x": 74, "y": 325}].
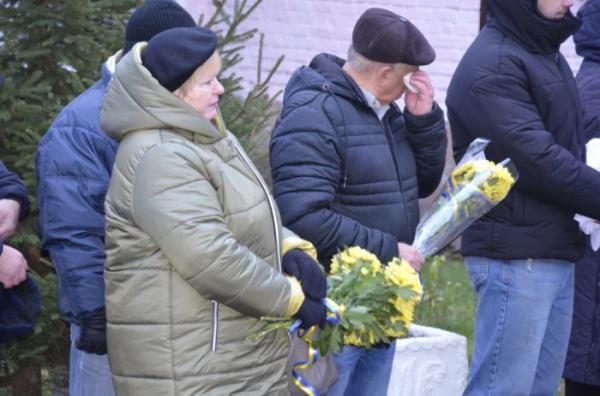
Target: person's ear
[{"x": 384, "y": 75}]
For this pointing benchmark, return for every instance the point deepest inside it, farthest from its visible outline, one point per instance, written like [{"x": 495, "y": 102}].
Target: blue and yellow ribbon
[
  {"x": 334, "y": 318},
  {"x": 462, "y": 212}
]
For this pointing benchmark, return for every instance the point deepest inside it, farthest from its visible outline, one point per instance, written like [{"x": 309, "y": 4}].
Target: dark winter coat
[
  {"x": 342, "y": 177},
  {"x": 583, "y": 359},
  {"x": 74, "y": 164},
  {"x": 514, "y": 87},
  {"x": 11, "y": 187}
]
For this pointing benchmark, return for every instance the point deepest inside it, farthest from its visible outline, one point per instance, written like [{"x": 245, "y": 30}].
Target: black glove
[
  {"x": 92, "y": 338},
  {"x": 312, "y": 313},
  {"x": 302, "y": 267}
]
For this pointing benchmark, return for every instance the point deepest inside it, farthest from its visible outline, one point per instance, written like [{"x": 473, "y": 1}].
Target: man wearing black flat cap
[
  {"x": 514, "y": 87},
  {"x": 349, "y": 166},
  {"x": 74, "y": 165}
]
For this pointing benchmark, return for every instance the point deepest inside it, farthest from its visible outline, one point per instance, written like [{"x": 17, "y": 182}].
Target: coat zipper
[
  {"x": 215, "y": 332},
  {"x": 390, "y": 138},
  {"x": 262, "y": 183},
  {"x": 248, "y": 164},
  {"x": 235, "y": 151}
]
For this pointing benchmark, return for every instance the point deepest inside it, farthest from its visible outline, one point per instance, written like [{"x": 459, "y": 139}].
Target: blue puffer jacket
[
  {"x": 74, "y": 163},
  {"x": 342, "y": 177},
  {"x": 515, "y": 88},
  {"x": 583, "y": 359},
  {"x": 11, "y": 187}
]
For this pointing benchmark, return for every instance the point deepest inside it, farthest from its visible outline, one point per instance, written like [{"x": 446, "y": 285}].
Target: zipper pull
[{"x": 232, "y": 147}]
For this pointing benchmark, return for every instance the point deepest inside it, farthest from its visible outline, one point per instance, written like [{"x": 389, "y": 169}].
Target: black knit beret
[
  {"x": 383, "y": 36},
  {"x": 153, "y": 17},
  {"x": 174, "y": 55}
]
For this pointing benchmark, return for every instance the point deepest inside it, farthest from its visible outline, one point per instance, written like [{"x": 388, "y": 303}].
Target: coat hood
[
  {"x": 521, "y": 20},
  {"x": 324, "y": 73},
  {"x": 587, "y": 39},
  {"x": 136, "y": 101}
]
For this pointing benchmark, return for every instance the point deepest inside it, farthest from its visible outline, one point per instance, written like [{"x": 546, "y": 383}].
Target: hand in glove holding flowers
[
  {"x": 311, "y": 313},
  {"x": 301, "y": 266}
]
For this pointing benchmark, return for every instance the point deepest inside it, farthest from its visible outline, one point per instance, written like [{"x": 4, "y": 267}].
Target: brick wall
[{"x": 301, "y": 29}]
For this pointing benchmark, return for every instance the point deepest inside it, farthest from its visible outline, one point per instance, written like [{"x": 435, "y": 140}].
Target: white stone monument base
[{"x": 430, "y": 362}]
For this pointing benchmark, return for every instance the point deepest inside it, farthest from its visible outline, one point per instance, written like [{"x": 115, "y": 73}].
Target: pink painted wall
[{"x": 300, "y": 29}]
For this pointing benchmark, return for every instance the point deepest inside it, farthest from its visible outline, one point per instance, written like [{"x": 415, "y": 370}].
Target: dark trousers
[{"x": 573, "y": 388}]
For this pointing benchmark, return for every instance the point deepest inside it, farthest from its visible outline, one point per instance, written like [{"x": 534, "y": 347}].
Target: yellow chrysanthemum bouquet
[
  {"x": 374, "y": 302},
  {"x": 475, "y": 186}
]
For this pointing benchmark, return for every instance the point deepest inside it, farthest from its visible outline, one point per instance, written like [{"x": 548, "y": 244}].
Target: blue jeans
[
  {"x": 522, "y": 326},
  {"x": 363, "y": 372},
  {"x": 89, "y": 374}
]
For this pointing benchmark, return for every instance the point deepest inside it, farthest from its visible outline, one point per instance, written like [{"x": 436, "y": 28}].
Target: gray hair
[
  {"x": 359, "y": 62},
  {"x": 362, "y": 64}
]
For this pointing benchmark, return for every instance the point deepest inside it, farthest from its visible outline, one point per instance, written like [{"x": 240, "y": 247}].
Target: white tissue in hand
[
  {"x": 589, "y": 226},
  {"x": 408, "y": 85}
]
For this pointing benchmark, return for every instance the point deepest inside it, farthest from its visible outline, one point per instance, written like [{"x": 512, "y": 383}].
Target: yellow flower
[
  {"x": 376, "y": 266},
  {"x": 497, "y": 186},
  {"x": 406, "y": 309},
  {"x": 466, "y": 172},
  {"x": 371, "y": 337},
  {"x": 347, "y": 260},
  {"x": 352, "y": 338},
  {"x": 364, "y": 271},
  {"x": 335, "y": 267},
  {"x": 392, "y": 332}
]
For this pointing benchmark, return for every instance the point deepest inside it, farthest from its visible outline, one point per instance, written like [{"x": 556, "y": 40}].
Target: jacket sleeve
[
  {"x": 500, "y": 108},
  {"x": 428, "y": 140},
  {"x": 592, "y": 126},
  {"x": 588, "y": 82},
  {"x": 306, "y": 168},
  {"x": 73, "y": 176},
  {"x": 176, "y": 204},
  {"x": 12, "y": 187}
]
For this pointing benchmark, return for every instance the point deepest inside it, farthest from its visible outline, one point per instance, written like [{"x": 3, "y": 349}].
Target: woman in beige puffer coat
[{"x": 192, "y": 235}]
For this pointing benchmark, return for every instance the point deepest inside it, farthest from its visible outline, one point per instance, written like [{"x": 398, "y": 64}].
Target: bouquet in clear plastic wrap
[{"x": 475, "y": 186}]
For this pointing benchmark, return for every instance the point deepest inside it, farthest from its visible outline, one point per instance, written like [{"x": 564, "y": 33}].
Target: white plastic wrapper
[
  {"x": 589, "y": 226},
  {"x": 474, "y": 187}
]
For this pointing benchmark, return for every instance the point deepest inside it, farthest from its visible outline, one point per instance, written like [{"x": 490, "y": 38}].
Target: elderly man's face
[
  {"x": 391, "y": 86},
  {"x": 554, "y": 9}
]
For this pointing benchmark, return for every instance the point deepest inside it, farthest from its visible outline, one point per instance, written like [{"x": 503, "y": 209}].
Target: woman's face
[{"x": 202, "y": 89}]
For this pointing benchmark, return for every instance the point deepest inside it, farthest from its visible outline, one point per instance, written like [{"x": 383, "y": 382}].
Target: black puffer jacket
[
  {"x": 342, "y": 177},
  {"x": 515, "y": 88},
  {"x": 583, "y": 359}
]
